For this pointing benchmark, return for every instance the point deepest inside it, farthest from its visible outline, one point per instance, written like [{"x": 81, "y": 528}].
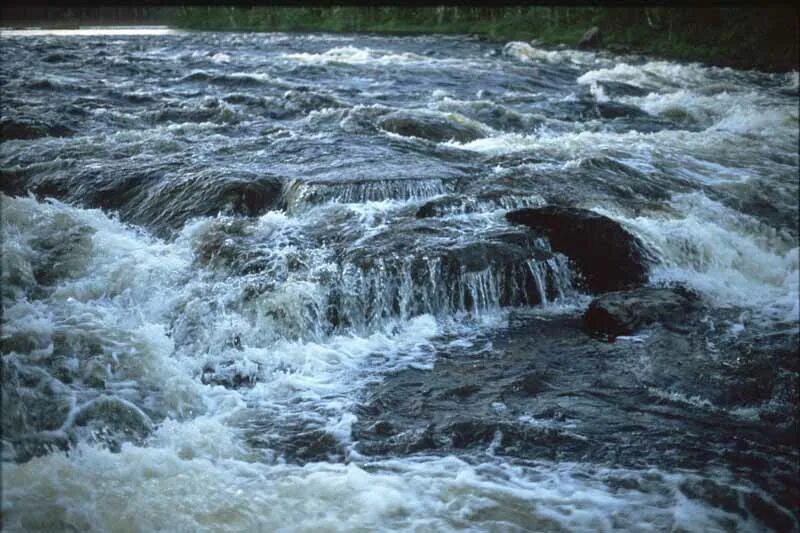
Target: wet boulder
[
  {"x": 115, "y": 415},
  {"x": 591, "y": 39},
  {"x": 622, "y": 313},
  {"x": 608, "y": 257},
  {"x": 431, "y": 126},
  {"x": 615, "y": 89},
  {"x": 166, "y": 205},
  {"x": 612, "y": 110},
  {"x": 306, "y": 100}
]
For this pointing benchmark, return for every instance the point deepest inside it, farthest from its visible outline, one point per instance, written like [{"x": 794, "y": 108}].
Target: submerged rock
[
  {"x": 608, "y": 256},
  {"x": 614, "y": 89},
  {"x": 114, "y": 412},
  {"x": 622, "y": 313},
  {"x": 430, "y": 126}
]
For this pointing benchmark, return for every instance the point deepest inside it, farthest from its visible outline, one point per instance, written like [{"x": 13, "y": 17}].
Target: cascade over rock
[{"x": 608, "y": 256}]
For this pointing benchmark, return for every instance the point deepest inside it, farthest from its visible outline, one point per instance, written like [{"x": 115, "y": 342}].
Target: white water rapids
[{"x": 120, "y": 343}]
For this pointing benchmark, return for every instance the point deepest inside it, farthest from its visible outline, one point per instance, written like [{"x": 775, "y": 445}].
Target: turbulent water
[{"x": 218, "y": 250}]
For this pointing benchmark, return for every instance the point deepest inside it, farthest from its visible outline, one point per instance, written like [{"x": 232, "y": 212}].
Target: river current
[{"x": 217, "y": 247}]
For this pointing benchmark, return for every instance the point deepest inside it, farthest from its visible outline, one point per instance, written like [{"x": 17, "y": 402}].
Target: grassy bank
[{"x": 763, "y": 38}]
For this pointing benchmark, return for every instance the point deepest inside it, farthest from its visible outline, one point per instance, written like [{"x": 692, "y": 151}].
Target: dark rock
[
  {"x": 59, "y": 58},
  {"x": 382, "y": 427},
  {"x": 622, "y": 313},
  {"x": 430, "y": 126},
  {"x": 533, "y": 383},
  {"x": 30, "y": 446},
  {"x": 591, "y": 39},
  {"x": 466, "y": 433},
  {"x": 494, "y": 115},
  {"x": 306, "y": 101},
  {"x": 228, "y": 374},
  {"x": 612, "y": 110},
  {"x": 314, "y": 445},
  {"x": 477, "y": 256},
  {"x": 608, "y": 256},
  {"x": 166, "y": 205},
  {"x": 440, "y": 206},
  {"x": 18, "y": 130},
  {"x": 548, "y": 391},
  {"x": 618, "y": 88},
  {"x": 768, "y": 513},
  {"x": 12, "y": 182},
  {"x": 11, "y": 130},
  {"x": 462, "y": 391}
]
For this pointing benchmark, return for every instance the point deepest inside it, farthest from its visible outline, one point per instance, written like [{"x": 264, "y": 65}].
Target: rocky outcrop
[
  {"x": 167, "y": 204},
  {"x": 591, "y": 39},
  {"x": 623, "y": 313},
  {"x": 161, "y": 198},
  {"x": 608, "y": 257},
  {"x": 542, "y": 389},
  {"x": 430, "y": 126}
]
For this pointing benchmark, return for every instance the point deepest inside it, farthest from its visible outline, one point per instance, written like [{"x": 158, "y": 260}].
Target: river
[{"x": 245, "y": 287}]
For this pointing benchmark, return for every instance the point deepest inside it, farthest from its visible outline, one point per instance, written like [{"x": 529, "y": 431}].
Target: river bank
[{"x": 745, "y": 38}]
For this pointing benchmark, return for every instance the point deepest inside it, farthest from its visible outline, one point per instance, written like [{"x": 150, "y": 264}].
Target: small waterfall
[
  {"x": 299, "y": 195},
  {"x": 539, "y": 274},
  {"x": 462, "y": 205},
  {"x": 366, "y": 297},
  {"x": 562, "y": 276}
]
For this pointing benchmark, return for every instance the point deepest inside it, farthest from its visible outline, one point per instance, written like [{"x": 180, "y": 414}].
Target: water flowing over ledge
[{"x": 268, "y": 281}]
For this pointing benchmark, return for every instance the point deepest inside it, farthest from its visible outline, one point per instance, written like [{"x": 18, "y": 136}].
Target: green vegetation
[{"x": 744, "y": 37}]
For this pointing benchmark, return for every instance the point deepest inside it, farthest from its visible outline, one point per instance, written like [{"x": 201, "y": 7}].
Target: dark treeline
[
  {"x": 744, "y": 37},
  {"x": 21, "y": 15}
]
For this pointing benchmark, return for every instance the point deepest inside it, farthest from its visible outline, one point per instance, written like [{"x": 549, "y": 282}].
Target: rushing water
[{"x": 216, "y": 245}]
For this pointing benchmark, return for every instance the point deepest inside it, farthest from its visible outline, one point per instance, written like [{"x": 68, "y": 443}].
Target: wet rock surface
[
  {"x": 542, "y": 388},
  {"x": 623, "y": 313},
  {"x": 429, "y": 126},
  {"x": 607, "y": 255}
]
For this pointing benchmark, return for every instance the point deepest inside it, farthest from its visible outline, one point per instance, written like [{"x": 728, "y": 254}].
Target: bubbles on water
[
  {"x": 357, "y": 56},
  {"x": 525, "y": 52},
  {"x": 726, "y": 256},
  {"x": 201, "y": 492}
]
